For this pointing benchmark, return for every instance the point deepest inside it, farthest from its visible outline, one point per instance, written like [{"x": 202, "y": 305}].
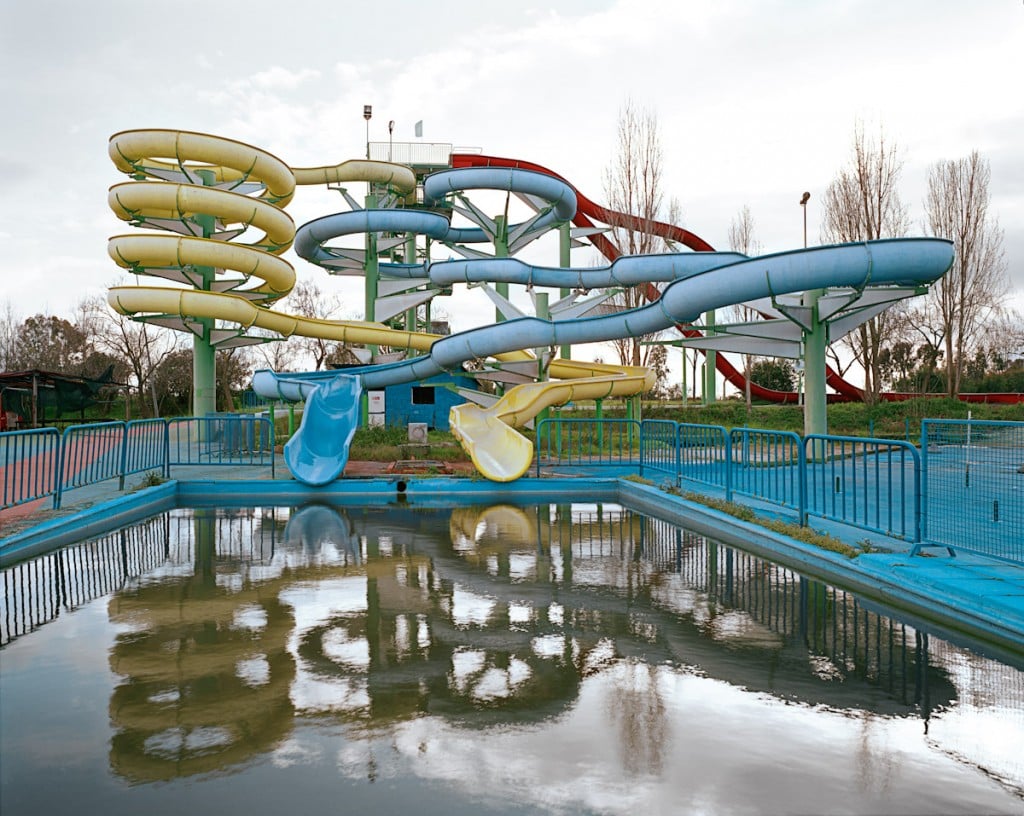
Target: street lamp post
[
  {"x": 391, "y": 130},
  {"x": 803, "y": 203},
  {"x": 367, "y": 115}
]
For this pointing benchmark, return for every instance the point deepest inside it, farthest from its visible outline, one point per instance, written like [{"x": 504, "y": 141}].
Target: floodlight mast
[
  {"x": 803, "y": 203},
  {"x": 367, "y": 115}
]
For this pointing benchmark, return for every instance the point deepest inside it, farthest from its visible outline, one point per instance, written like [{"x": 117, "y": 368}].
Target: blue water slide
[
  {"x": 560, "y": 196},
  {"x": 311, "y": 237},
  {"x": 318, "y": 451},
  {"x": 895, "y": 262}
]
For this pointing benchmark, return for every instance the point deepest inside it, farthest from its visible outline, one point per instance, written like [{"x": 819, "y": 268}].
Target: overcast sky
[{"x": 757, "y": 102}]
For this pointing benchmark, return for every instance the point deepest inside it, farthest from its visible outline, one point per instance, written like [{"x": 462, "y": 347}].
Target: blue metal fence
[
  {"x": 659, "y": 449},
  {"x": 90, "y": 454},
  {"x": 588, "y": 442},
  {"x": 42, "y": 462},
  {"x": 973, "y": 475},
  {"x": 874, "y": 484},
  {"x": 963, "y": 490},
  {"x": 29, "y": 461},
  {"x": 768, "y": 465},
  {"x": 145, "y": 448},
  {"x": 704, "y": 454},
  {"x": 222, "y": 439}
]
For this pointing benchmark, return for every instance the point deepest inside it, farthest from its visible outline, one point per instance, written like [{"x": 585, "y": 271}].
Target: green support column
[
  {"x": 710, "y": 361},
  {"x": 409, "y": 256},
  {"x": 542, "y": 312},
  {"x": 204, "y": 355},
  {"x": 686, "y": 398},
  {"x": 372, "y": 275},
  {"x": 815, "y": 343},
  {"x": 500, "y": 251},
  {"x": 564, "y": 261}
]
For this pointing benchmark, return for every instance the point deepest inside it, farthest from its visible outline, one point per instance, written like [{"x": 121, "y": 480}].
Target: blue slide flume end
[{"x": 318, "y": 452}]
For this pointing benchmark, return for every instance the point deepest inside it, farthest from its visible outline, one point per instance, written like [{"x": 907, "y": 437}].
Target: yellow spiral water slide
[
  {"x": 201, "y": 192},
  {"x": 211, "y": 191}
]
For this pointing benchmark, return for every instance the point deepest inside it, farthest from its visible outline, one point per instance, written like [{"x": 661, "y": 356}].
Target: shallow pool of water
[{"x": 506, "y": 659}]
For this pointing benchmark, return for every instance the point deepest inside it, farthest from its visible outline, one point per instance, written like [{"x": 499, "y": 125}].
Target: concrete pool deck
[{"x": 967, "y": 595}]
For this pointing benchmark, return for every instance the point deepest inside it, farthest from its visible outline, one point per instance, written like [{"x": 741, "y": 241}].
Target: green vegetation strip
[{"x": 786, "y": 528}]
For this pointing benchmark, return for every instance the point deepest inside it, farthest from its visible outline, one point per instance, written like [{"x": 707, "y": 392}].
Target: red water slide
[{"x": 587, "y": 210}]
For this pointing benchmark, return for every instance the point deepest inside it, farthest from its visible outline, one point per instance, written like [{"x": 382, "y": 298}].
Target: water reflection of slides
[
  {"x": 206, "y": 672},
  {"x": 481, "y": 615},
  {"x": 315, "y": 526}
]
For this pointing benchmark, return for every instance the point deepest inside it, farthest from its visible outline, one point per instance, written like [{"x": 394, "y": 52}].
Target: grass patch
[
  {"x": 786, "y": 528},
  {"x": 382, "y": 444},
  {"x": 151, "y": 478}
]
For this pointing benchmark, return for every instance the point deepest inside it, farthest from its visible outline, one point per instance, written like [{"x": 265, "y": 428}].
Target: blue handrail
[
  {"x": 30, "y": 462},
  {"x": 43, "y": 462}
]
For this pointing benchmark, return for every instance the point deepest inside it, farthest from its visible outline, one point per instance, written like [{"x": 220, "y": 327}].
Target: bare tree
[
  {"x": 741, "y": 239},
  {"x": 970, "y": 295},
  {"x": 308, "y": 300},
  {"x": 234, "y": 372},
  {"x": 10, "y": 323},
  {"x": 277, "y": 354},
  {"x": 862, "y": 203},
  {"x": 633, "y": 185},
  {"x": 141, "y": 347}
]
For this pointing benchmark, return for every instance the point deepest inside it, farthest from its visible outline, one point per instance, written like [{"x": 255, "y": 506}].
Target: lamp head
[
  {"x": 367, "y": 112},
  {"x": 806, "y": 197}
]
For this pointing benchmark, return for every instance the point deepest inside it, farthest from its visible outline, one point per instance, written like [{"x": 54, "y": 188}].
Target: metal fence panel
[
  {"x": 589, "y": 442},
  {"x": 659, "y": 449},
  {"x": 874, "y": 484},
  {"x": 145, "y": 446},
  {"x": 90, "y": 454},
  {"x": 704, "y": 454},
  {"x": 767, "y": 465},
  {"x": 227, "y": 439},
  {"x": 974, "y": 486},
  {"x": 28, "y": 465}
]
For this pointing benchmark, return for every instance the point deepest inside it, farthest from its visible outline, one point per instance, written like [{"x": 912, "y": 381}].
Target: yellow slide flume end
[{"x": 499, "y": 452}]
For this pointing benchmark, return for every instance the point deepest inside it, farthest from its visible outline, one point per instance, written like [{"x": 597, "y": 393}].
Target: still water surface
[{"x": 541, "y": 659}]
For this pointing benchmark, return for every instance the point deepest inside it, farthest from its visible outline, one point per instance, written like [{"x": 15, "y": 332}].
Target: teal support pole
[
  {"x": 564, "y": 261},
  {"x": 544, "y": 314},
  {"x": 686, "y": 398},
  {"x": 371, "y": 272},
  {"x": 500, "y": 251},
  {"x": 710, "y": 361},
  {"x": 409, "y": 256},
  {"x": 815, "y": 343},
  {"x": 204, "y": 355}
]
